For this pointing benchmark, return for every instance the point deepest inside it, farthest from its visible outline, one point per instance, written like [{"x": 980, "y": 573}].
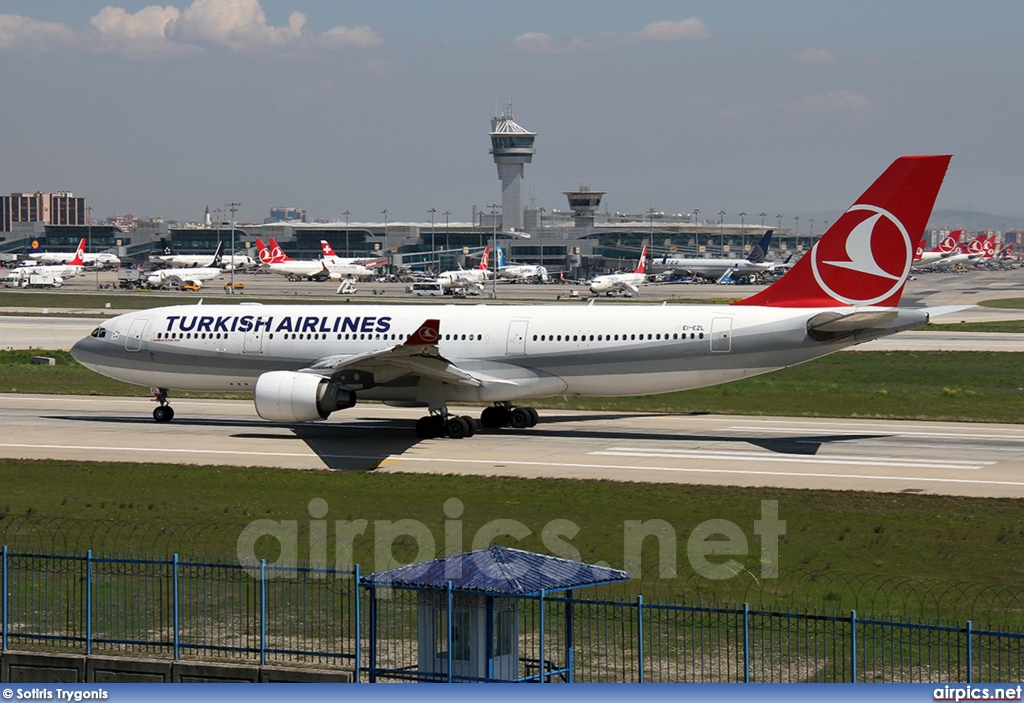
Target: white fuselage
[
  {"x": 60, "y": 270},
  {"x": 527, "y": 350},
  {"x": 715, "y": 268},
  {"x": 186, "y": 275},
  {"x": 53, "y": 257},
  {"x": 617, "y": 281},
  {"x": 462, "y": 277}
]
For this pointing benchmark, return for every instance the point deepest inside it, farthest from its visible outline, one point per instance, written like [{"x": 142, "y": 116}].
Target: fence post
[
  {"x": 640, "y": 637},
  {"x": 853, "y": 646},
  {"x": 359, "y": 629},
  {"x": 543, "y": 664},
  {"x": 177, "y": 610},
  {"x": 448, "y": 593},
  {"x": 88, "y": 602},
  {"x": 570, "y": 646},
  {"x": 263, "y": 612},
  {"x": 970, "y": 655},
  {"x": 372, "y": 664},
  {"x": 3, "y": 629},
  {"x": 746, "y": 643}
]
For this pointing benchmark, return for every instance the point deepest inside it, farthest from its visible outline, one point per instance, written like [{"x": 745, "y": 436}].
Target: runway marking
[
  {"x": 802, "y": 430},
  {"x": 394, "y": 462},
  {"x": 793, "y": 458}
]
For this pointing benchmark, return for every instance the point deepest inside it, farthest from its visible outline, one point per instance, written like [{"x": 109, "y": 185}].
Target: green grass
[
  {"x": 1010, "y": 303},
  {"x": 1016, "y": 326},
  {"x": 960, "y": 386},
  {"x": 200, "y": 510}
]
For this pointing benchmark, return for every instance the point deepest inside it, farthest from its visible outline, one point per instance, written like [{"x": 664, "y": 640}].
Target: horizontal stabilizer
[
  {"x": 945, "y": 309},
  {"x": 839, "y": 323}
]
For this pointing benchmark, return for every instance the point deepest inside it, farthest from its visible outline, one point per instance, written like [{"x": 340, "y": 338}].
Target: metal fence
[{"x": 186, "y": 609}]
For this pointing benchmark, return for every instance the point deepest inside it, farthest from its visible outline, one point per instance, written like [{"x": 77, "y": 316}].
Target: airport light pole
[
  {"x": 432, "y": 211},
  {"x": 721, "y": 232},
  {"x": 447, "y": 214},
  {"x": 234, "y": 208},
  {"x": 743, "y": 232},
  {"x": 494, "y": 248},
  {"x": 796, "y": 231},
  {"x": 346, "y": 214}
]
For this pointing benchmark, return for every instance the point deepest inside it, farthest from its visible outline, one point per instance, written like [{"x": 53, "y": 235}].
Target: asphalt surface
[{"x": 870, "y": 455}]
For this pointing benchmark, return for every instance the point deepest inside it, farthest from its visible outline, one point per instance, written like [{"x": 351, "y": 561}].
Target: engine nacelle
[{"x": 288, "y": 396}]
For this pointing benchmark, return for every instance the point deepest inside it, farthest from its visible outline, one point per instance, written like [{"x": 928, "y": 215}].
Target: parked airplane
[
  {"x": 716, "y": 268},
  {"x": 966, "y": 254},
  {"x": 945, "y": 249},
  {"x": 519, "y": 272},
  {"x": 333, "y": 259},
  {"x": 274, "y": 260},
  {"x": 627, "y": 284},
  {"x": 190, "y": 275},
  {"x": 74, "y": 267},
  {"x": 172, "y": 259},
  {"x": 89, "y": 260},
  {"x": 466, "y": 278},
  {"x": 304, "y": 362}
]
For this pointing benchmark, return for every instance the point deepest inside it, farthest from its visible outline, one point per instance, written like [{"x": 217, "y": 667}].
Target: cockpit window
[{"x": 99, "y": 333}]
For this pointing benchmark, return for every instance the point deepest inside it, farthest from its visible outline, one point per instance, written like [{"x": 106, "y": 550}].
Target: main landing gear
[
  {"x": 162, "y": 412},
  {"x": 440, "y": 424}
]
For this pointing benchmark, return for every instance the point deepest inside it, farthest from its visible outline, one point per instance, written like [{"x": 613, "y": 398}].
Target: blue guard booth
[{"x": 476, "y": 615}]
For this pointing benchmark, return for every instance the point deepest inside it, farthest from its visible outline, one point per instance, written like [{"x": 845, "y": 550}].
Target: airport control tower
[{"x": 512, "y": 147}]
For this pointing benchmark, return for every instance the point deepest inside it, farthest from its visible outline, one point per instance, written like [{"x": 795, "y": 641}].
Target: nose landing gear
[{"x": 162, "y": 412}]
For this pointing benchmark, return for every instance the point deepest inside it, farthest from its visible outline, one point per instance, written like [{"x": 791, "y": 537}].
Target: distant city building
[
  {"x": 286, "y": 214},
  {"x": 52, "y": 208}
]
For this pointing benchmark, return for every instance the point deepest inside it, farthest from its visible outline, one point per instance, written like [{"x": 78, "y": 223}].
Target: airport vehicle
[
  {"x": 466, "y": 278},
  {"x": 520, "y": 272},
  {"x": 32, "y": 280},
  {"x": 68, "y": 270},
  {"x": 304, "y": 362},
  {"x": 946, "y": 248},
  {"x": 627, "y": 284},
  {"x": 717, "y": 268},
  {"x": 426, "y": 288}
]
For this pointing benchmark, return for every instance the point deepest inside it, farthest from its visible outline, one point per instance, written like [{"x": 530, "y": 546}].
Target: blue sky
[{"x": 790, "y": 107}]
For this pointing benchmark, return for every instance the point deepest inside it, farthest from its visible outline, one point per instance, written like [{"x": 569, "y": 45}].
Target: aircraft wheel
[
  {"x": 534, "y": 416},
  {"x": 494, "y": 417},
  {"x": 456, "y": 428},
  {"x": 428, "y": 427},
  {"x": 471, "y": 424},
  {"x": 163, "y": 413},
  {"x": 520, "y": 418}
]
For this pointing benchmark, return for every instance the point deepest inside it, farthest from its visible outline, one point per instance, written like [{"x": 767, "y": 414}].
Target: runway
[{"x": 870, "y": 455}]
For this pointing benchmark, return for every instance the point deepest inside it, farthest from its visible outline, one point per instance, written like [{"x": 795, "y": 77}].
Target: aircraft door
[
  {"x": 133, "y": 342},
  {"x": 516, "y": 337},
  {"x": 721, "y": 334},
  {"x": 253, "y": 342}
]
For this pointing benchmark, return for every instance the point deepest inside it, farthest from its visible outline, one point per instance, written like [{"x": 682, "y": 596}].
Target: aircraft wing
[{"x": 416, "y": 356}]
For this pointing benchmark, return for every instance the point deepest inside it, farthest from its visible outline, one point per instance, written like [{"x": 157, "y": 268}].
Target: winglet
[
  {"x": 865, "y": 256},
  {"x": 426, "y": 335}
]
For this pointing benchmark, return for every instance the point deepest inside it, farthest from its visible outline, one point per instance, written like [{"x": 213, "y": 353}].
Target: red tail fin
[
  {"x": 949, "y": 243},
  {"x": 326, "y": 247},
  {"x": 919, "y": 252},
  {"x": 425, "y": 335},
  {"x": 277, "y": 255},
  {"x": 483, "y": 261},
  {"x": 865, "y": 256},
  {"x": 264, "y": 254},
  {"x": 79, "y": 255},
  {"x": 642, "y": 266}
]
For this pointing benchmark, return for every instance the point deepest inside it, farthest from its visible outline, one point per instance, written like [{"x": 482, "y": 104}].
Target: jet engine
[{"x": 288, "y": 396}]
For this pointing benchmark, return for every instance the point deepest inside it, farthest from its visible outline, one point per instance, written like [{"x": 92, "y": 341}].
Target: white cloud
[
  {"x": 815, "y": 56},
  {"x": 17, "y": 32},
  {"x": 156, "y": 32},
  {"x": 664, "y": 31}
]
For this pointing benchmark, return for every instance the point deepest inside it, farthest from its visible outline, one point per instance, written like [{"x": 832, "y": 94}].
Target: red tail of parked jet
[
  {"x": 277, "y": 253},
  {"x": 484, "y": 258},
  {"x": 865, "y": 256},
  {"x": 642, "y": 266},
  {"x": 263, "y": 252},
  {"x": 79, "y": 259}
]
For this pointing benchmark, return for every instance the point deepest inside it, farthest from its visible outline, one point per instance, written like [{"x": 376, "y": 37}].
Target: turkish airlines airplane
[
  {"x": 627, "y": 284},
  {"x": 966, "y": 254},
  {"x": 90, "y": 260},
  {"x": 74, "y": 267},
  {"x": 466, "y": 278},
  {"x": 304, "y": 362},
  {"x": 946, "y": 248},
  {"x": 716, "y": 268}
]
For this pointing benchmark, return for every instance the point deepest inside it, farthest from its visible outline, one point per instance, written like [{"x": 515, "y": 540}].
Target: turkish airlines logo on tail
[
  {"x": 870, "y": 264},
  {"x": 265, "y": 256}
]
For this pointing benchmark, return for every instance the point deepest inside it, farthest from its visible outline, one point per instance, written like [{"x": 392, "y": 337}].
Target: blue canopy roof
[{"x": 498, "y": 571}]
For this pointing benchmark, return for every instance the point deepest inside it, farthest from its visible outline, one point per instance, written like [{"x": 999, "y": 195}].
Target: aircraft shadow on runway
[{"x": 365, "y": 444}]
